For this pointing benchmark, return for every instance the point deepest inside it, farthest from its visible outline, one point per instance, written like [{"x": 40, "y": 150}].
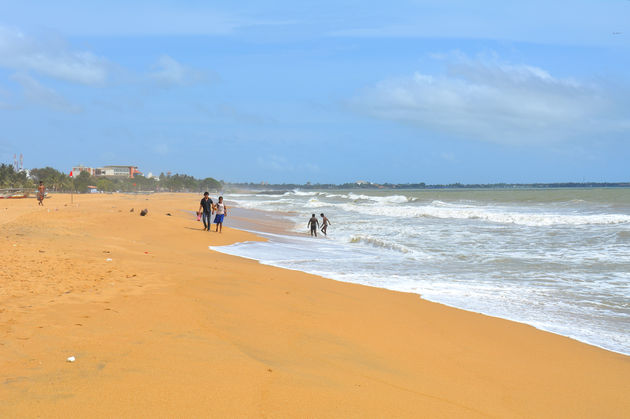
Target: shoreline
[
  {"x": 279, "y": 230},
  {"x": 265, "y": 235},
  {"x": 165, "y": 317},
  {"x": 532, "y": 285}
]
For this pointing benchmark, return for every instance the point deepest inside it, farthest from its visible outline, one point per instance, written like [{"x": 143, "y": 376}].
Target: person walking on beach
[
  {"x": 41, "y": 193},
  {"x": 325, "y": 223},
  {"x": 206, "y": 206},
  {"x": 221, "y": 211},
  {"x": 313, "y": 224}
]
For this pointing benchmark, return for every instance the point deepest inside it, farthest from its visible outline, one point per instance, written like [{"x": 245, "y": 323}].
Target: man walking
[
  {"x": 325, "y": 223},
  {"x": 313, "y": 224},
  {"x": 206, "y": 206}
]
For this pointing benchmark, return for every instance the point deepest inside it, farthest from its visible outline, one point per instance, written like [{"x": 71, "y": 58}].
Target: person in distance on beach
[
  {"x": 325, "y": 223},
  {"x": 313, "y": 224},
  {"x": 41, "y": 193},
  {"x": 206, "y": 206},
  {"x": 221, "y": 211}
]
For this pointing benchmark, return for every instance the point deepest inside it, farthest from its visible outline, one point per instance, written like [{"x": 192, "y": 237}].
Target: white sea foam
[
  {"x": 298, "y": 192},
  {"x": 372, "y": 241},
  {"x": 550, "y": 259},
  {"x": 404, "y": 207},
  {"x": 495, "y": 215}
]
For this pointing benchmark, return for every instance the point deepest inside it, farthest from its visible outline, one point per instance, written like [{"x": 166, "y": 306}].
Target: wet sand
[{"x": 163, "y": 327}]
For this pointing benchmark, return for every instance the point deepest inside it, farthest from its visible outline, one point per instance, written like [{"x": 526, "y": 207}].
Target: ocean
[{"x": 557, "y": 259}]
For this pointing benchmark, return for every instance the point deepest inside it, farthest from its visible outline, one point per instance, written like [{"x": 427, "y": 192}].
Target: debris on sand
[
  {"x": 144, "y": 212},
  {"x": 131, "y": 210}
]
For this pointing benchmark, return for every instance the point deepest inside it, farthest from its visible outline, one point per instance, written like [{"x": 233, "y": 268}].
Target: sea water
[{"x": 557, "y": 259}]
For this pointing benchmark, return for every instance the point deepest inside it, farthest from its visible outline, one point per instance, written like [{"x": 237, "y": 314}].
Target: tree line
[{"x": 57, "y": 181}]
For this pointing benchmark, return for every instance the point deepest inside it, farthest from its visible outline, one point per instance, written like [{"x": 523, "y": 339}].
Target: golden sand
[{"x": 160, "y": 326}]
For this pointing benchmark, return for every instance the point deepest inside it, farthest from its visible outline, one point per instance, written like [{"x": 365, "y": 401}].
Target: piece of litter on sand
[
  {"x": 168, "y": 214},
  {"x": 146, "y": 253},
  {"x": 71, "y": 359},
  {"x": 144, "y": 212},
  {"x": 131, "y": 210},
  {"x": 108, "y": 260}
]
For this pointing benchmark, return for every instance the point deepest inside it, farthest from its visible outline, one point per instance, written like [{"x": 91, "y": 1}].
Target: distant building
[
  {"x": 76, "y": 170},
  {"x": 118, "y": 171},
  {"x": 109, "y": 171}
]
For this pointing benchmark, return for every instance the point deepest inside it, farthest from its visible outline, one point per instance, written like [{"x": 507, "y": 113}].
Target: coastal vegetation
[
  {"x": 58, "y": 181},
  {"x": 9, "y": 178}
]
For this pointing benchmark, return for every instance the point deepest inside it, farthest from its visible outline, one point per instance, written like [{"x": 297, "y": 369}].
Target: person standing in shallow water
[
  {"x": 206, "y": 206},
  {"x": 221, "y": 211},
  {"x": 313, "y": 224},
  {"x": 325, "y": 223}
]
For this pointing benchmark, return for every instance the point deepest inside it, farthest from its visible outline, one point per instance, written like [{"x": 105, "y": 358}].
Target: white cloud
[
  {"x": 485, "y": 99},
  {"x": 50, "y": 58},
  {"x": 169, "y": 72},
  {"x": 42, "y": 95}
]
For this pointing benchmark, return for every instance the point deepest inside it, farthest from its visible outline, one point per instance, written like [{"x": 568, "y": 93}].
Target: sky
[{"x": 323, "y": 92}]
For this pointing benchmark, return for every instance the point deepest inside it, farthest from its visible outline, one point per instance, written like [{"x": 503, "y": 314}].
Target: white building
[{"x": 109, "y": 171}]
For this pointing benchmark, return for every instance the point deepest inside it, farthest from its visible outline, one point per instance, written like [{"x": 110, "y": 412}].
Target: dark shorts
[{"x": 218, "y": 219}]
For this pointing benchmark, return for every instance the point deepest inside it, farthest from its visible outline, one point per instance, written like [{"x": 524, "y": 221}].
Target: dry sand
[{"x": 168, "y": 328}]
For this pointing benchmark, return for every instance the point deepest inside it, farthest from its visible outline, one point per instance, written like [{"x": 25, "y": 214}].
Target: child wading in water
[
  {"x": 325, "y": 223},
  {"x": 221, "y": 211}
]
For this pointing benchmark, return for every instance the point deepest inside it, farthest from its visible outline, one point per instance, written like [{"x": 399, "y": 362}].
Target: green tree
[
  {"x": 52, "y": 178},
  {"x": 105, "y": 184},
  {"x": 9, "y": 178},
  {"x": 210, "y": 184},
  {"x": 81, "y": 182}
]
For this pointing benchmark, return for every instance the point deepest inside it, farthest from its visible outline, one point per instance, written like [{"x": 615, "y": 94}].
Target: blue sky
[{"x": 403, "y": 91}]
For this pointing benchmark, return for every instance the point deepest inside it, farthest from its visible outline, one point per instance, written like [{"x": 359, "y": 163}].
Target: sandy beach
[{"x": 161, "y": 326}]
